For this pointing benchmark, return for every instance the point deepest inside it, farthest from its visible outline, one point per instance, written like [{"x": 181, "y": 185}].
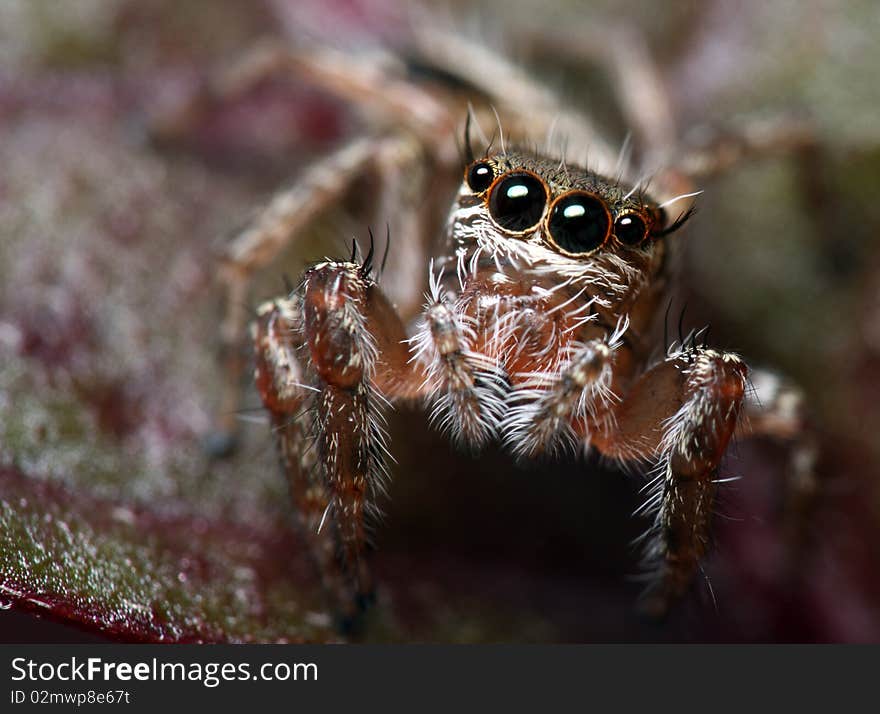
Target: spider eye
[
  {"x": 579, "y": 223},
  {"x": 630, "y": 229},
  {"x": 517, "y": 201},
  {"x": 479, "y": 176}
]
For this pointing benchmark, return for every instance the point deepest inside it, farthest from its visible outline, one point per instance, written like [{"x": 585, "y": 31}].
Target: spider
[{"x": 543, "y": 326}]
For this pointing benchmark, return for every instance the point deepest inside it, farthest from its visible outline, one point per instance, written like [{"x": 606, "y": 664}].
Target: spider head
[{"x": 524, "y": 203}]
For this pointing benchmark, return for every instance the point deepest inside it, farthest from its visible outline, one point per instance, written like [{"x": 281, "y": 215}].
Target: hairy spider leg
[
  {"x": 466, "y": 387},
  {"x": 280, "y": 382},
  {"x": 323, "y": 357},
  {"x": 547, "y": 405},
  {"x": 367, "y": 83},
  {"x": 680, "y": 416}
]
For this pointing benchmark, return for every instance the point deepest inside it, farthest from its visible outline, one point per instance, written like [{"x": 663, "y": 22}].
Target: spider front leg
[
  {"x": 681, "y": 415},
  {"x": 465, "y": 386},
  {"x": 279, "y": 380},
  {"x": 548, "y": 405},
  {"x": 321, "y": 356}
]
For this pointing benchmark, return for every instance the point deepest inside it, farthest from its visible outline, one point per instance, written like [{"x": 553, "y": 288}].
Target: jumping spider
[{"x": 543, "y": 324}]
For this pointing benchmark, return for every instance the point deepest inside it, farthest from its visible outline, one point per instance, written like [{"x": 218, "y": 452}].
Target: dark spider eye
[
  {"x": 517, "y": 201},
  {"x": 480, "y": 176},
  {"x": 630, "y": 229},
  {"x": 579, "y": 222}
]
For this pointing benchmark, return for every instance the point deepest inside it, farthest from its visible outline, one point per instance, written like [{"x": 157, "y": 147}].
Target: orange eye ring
[
  {"x": 578, "y": 223},
  {"x": 517, "y": 201}
]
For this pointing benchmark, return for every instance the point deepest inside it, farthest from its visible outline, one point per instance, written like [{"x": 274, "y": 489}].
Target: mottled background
[{"x": 115, "y": 523}]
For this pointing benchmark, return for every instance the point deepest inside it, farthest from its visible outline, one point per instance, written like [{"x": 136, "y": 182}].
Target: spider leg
[
  {"x": 716, "y": 150},
  {"x": 547, "y": 405},
  {"x": 280, "y": 382},
  {"x": 406, "y": 181},
  {"x": 286, "y": 217},
  {"x": 320, "y": 358},
  {"x": 636, "y": 79},
  {"x": 514, "y": 91},
  {"x": 468, "y": 386},
  {"x": 374, "y": 81},
  {"x": 680, "y": 415}
]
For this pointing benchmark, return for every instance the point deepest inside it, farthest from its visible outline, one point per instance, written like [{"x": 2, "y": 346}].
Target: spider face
[
  {"x": 550, "y": 226},
  {"x": 571, "y": 211}
]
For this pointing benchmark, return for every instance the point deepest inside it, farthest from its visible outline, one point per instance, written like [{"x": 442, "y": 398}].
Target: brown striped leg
[
  {"x": 318, "y": 366},
  {"x": 280, "y": 381},
  {"x": 681, "y": 415}
]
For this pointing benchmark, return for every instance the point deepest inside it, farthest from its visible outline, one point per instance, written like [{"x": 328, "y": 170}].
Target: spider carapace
[{"x": 540, "y": 330}]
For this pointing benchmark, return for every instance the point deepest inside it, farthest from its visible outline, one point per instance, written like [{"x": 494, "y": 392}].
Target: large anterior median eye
[
  {"x": 579, "y": 223},
  {"x": 517, "y": 201}
]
